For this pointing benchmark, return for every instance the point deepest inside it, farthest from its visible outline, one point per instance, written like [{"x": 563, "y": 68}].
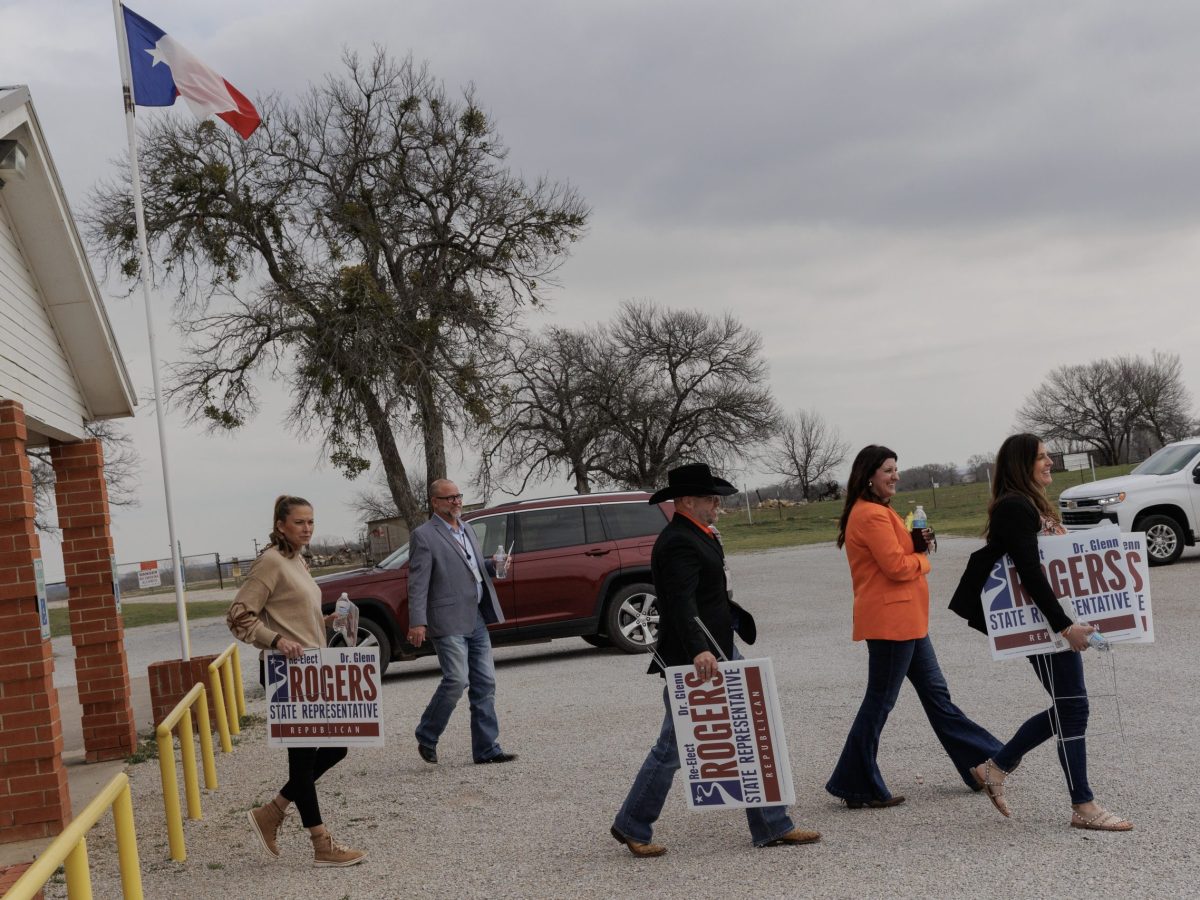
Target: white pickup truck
[{"x": 1160, "y": 497}]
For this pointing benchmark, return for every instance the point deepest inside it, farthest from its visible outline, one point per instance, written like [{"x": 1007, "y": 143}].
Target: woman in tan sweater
[{"x": 279, "y": 607}]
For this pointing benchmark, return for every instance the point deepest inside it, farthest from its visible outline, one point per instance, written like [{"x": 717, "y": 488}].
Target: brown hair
[
  {"x": 858, "y": 487},
  {"x": 284, "y": 504},
  {"x": 1014, "y": 475}
]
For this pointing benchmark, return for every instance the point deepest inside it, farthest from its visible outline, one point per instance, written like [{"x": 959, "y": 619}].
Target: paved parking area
[{"x": 582, "y": 720}]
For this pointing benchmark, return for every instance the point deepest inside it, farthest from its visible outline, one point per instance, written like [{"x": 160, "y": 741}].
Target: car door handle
[{"x": 596, "y": 551}]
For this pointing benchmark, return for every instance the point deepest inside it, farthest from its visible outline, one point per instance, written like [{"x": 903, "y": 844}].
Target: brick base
[
  {"x": 9, "y": 876},
  {"x": 171, "y": 679}
]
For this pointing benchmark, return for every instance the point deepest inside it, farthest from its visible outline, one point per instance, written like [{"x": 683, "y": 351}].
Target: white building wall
[{"x": 29, "y": 345}]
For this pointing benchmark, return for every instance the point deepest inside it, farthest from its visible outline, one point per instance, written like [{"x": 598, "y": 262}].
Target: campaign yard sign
[
  {"x": 1090, "y": 574},
  {"x": 1134, "y": 545},
  {"x": 328, "y": 697},
  {"x": 729, "y": 733}
]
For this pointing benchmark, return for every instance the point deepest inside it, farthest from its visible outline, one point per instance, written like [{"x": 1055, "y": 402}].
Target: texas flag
[{"x": 164, "y": 69}]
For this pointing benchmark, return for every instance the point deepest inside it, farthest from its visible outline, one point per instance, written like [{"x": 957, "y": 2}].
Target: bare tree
[
  {"x": 805, "y": 451},
  {"x": 980, "y": 465},
  {"x": 122, "y": 465},
  {"x": 915, "y": 478},
  {"x": 1101, "y": 405},
  {"x": 1166, "y": 403},
  {"x": 375, "y": 501},
  {"x": 377, "y": 251},
  {"x": 548, "y": 419},
  {"x": 675, "y": 386}
]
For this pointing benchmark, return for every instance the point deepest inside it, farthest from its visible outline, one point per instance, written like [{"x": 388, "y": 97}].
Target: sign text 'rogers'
[
  {"x": 327, "y": 697},
  {"x": 729, "y": 733}
]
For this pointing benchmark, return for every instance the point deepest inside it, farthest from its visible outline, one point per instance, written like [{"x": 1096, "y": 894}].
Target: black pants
[{"x": 305, "y": 766}]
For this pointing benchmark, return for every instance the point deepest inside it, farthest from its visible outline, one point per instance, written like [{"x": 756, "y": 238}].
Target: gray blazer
[{"x": 441, "y": 588}]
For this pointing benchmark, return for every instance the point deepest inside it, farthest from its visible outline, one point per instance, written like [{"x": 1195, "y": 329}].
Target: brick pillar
[
  {"x": 97, "y": 631},
  {"x": 34, "y": 800}
]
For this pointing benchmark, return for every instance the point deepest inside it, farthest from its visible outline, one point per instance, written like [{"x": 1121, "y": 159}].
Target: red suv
[{"x": 580, "y": 567}]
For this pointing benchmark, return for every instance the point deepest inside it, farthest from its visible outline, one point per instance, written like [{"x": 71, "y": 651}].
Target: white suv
[{"x": 1160, "y": 497}]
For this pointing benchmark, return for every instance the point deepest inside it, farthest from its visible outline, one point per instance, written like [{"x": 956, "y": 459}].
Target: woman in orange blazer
[{"x": 891, "y": 613}]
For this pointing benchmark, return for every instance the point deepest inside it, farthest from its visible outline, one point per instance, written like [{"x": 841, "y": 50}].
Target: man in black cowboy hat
[{"x": 688, "y": 563}]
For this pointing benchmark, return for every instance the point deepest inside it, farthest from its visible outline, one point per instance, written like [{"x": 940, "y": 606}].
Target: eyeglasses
[{"x": 453, "y": 498}]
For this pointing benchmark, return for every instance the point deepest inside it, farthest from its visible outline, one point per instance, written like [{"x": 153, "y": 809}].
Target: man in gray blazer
[{"x": 451, "y": 599}]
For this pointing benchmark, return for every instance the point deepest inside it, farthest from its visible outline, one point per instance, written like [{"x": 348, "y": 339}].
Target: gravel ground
[{"x": 583, "y": 719}]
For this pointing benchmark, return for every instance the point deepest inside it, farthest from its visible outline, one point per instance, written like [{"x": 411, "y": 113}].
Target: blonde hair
[{"x": 284, "y": 504}]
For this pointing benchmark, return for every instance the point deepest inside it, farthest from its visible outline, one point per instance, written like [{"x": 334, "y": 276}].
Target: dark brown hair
[
  {"x": 1014, "y": 475},
  {"x": 284, "y": 504},
  {"x": 858, "y": 487}
]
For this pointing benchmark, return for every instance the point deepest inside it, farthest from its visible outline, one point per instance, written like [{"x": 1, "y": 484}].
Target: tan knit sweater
[{"x": 278, "y": 597}]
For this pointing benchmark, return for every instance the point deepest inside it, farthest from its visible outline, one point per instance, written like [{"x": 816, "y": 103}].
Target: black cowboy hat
[{"x": 695, "y": 480}]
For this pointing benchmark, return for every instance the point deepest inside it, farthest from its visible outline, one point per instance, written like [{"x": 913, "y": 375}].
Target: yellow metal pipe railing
[
  {"x": 69, "y": 850},
  {"x": 229, "y": 698},
  {"x": 181, "y": 717}
]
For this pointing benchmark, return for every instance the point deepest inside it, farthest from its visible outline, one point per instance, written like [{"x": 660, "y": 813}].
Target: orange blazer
[{"x": 891, "y": 596}]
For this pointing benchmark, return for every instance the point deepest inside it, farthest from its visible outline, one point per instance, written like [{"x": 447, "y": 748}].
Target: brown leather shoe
[
  {"x": 266, "y": 820},
  {"x": 642, "y": 851},
  {"x": 795, "y": 836},
  {"x": 328, "y": 852}
]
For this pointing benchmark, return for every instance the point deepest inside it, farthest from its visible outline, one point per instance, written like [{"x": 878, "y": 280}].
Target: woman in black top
[{"x": 1018, "y": 513}]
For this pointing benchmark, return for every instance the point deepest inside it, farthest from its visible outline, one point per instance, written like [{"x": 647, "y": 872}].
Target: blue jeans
[
  {"x": 645, "y": 800},
  {"x": 857, "y": 777},
  {"x": 1061, "y": 674},
  {"x": 466, "y": 661}
]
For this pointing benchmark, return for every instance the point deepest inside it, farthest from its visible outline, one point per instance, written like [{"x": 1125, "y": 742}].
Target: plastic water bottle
[
  {"x": 919, "y": 524},
  {"x": 1097, "y": 641},
  {"x": 341, "y": 617},
  {"x": 500, "y": 560}
]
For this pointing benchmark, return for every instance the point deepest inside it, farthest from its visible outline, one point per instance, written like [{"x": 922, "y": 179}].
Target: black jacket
[
  {"x": 689, "y": 580},
  {"x": 1014, "y": 530}
]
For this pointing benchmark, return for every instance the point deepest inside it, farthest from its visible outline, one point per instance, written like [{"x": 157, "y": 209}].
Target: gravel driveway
[{"x": 582, "y": 720}]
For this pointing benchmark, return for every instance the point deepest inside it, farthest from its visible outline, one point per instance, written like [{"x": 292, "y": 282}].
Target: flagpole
[{"x": 144, "y": 249}]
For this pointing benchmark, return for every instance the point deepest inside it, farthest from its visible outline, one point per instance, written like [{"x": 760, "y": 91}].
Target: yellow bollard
[
  {"x": 214, "y": 680},
  {"x": 206, "y": 747},
  {"x": 79, "y": 877},
  {"x": 69, "y": 849},
  {"x": 231, "y": 705},
  {"x": 170, "y": 787},
  {"x": 187, "y": 756},
  {"x": 127, "y": 850},
  {"x": 238, "y": 687}
]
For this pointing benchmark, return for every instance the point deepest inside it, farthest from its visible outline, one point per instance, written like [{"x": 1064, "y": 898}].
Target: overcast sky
[{"x": 923, "y": 207}]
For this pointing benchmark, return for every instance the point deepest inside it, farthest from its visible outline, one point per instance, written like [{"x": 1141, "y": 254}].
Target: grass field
[
  {"x": 136, "y": 614},
  {"x": 958, "y": 510}
]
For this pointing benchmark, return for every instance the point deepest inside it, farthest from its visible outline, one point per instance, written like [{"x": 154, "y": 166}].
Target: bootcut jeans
[
  {"x": 856, "y": 777},
  {"x": 466, "y": 661},
  {"x": 1061, "y": 674},
  {"x": 645, "y": 800}
]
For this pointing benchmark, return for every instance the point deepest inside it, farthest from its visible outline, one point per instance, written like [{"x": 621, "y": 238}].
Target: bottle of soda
[
  {"x": 919, "y": 524},
  {"x": 500, "y": 561}
]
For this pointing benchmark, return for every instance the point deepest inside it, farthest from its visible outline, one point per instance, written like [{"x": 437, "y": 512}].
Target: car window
[
  {"x": 492, "y": 532},
  {"x": 627, "y": 520},
  {"x": 545, "y": 529},
  {"x": 592, "y": 525},
  {"x": 396, "y": 559},
  {"x": 1167, "y": 461}
]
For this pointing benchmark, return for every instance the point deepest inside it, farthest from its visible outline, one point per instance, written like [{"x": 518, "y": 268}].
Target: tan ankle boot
[
  {"x": 328, "y": 852},
  {"x": 266, "y": 820}
]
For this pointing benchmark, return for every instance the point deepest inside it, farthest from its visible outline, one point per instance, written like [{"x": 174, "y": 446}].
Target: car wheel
[
  {"x": 1164, "y": 539},
  {"x": 597, "y": 640},
  {"x": 370, "y": 634},
  {"x": 632, "y": 618}
]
